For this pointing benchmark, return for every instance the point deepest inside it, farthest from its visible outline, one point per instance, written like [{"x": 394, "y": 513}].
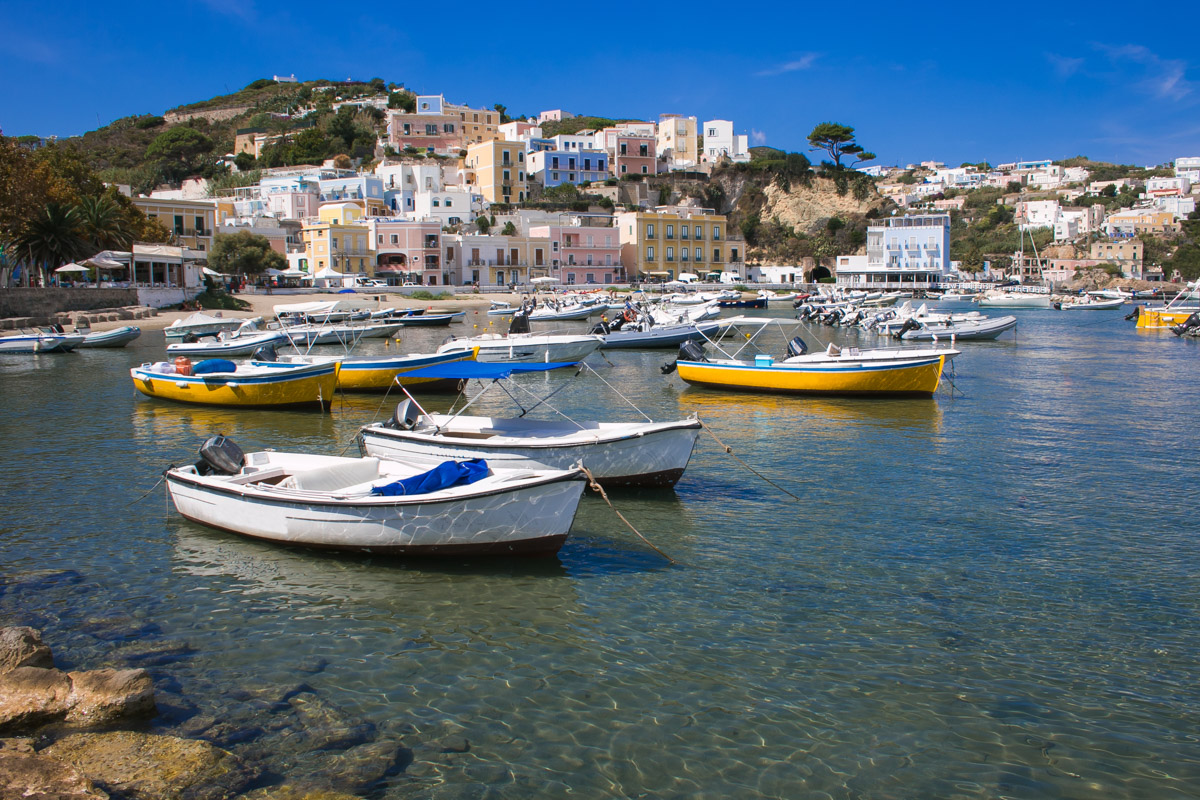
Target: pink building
[
  {"x": 407, "y": 250},
  {"x": 633, "y": 154},
  {"x": 580, "y": 255}
]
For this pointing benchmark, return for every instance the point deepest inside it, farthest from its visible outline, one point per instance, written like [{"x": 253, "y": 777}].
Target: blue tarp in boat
[
  {"x": 458, "y": 370},
  {"x": 211, "y": 365},
  {"x": 443, "y": 476}
]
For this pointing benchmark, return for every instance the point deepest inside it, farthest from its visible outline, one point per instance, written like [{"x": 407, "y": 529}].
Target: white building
[
  {"x": 908, "y": 252},
  {"x": 451, "y": 205},
  {"x": 1168, "y": 187},
  {"x": 1037, "y": 214},
  {"x": 1188, "y": 168},
  {"x": 720, "y": 141},
  {"x": 1179, "y": 206}
]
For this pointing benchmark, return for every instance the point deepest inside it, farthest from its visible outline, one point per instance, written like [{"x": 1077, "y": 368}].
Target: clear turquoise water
[{"x": 990, "y": 594}]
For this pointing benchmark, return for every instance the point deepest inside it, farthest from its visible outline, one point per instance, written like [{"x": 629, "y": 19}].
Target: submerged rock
[
  {"x": 31, "y": 697},
  {"x": 143, "y": 766},
  {"x": 290, "y": 792},
  {"x": 23, "y": 647},
  {"x": 103, "y": 696},
  {"x": 26, "y": 774}
]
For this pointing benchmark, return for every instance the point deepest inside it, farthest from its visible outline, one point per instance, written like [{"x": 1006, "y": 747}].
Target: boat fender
[
  {"x": 220, "y": 456},
  {"x": 405, "y": 417},
  {"x": 265, "y": 353}
]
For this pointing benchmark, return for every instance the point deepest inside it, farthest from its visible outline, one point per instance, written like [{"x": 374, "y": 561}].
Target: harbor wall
[{"x": 45, "y": 303}]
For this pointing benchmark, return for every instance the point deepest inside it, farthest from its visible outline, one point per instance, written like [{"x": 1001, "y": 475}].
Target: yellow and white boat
[
  {"x": 833, "y": 371},
  {"x": 223, "y": 383},
  {"x": 1176, "y": 312},
  {"x": 378, "y": 373}
]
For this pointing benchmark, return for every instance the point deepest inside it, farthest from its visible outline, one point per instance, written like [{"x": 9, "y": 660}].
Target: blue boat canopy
[{"x": 458, "y": 370}]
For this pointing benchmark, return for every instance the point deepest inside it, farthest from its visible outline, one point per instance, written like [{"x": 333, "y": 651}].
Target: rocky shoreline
[{"x": 80, "y": 735}]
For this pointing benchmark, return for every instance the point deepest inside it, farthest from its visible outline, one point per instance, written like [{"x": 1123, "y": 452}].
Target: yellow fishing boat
[
  {"x": 223, "y": 383},
  {"x": 378, "y": 373},
  {"x": 834, "y": 371},
  {"x": 1173, "y": 313}
]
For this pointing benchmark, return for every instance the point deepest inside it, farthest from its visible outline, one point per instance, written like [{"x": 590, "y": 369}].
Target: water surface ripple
[{"x": 987, "y": 594}]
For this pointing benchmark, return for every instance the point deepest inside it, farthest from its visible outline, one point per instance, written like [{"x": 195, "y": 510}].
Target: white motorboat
[
  {"x": 1091, "y": 302},
  {"x": 998, "y": 298},
  {"x": 379, "y": 506},
  {"x": 307, "y": 335},
  {"x": 617, "y": 453},
  {"x": 526, "y": 347},
  {"x": 117, "y": 337},
  {"x": 933, "y": 330},
  {"x": 201, "y": 324},
  {"x": 502, "y": 310},
  {"x": 553, "y": 312},
  {"x": 39, "y": 343},
  {"x": 644, "y": 334},
  {"x": 239, "y": 343},
  {"x": 772, "y": 297},
  {"x": 521, "y": 346}
]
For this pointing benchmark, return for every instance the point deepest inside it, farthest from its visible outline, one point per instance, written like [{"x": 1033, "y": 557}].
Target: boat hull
[
  {"x": 293, "y": 387},
  {"x": 963, "y": 331},
  {"x": 534, "y": 519},
  {"x": 658, "y": 336},
  {"x": 1152, "y": 318},
  {"x": 240, "y": 346},
  {"x": 118, "y": 337},
  {"x": 917, "y": 377},
  {"x": 35, "y": 343},
  {"x": 652, "y": 455},
  {"x": 1016, "y": 301},
  {"x": 379, "y": 373}
]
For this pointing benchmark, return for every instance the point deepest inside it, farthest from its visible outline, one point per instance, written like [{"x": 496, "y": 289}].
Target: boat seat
[{"x": 333, "y": 477}]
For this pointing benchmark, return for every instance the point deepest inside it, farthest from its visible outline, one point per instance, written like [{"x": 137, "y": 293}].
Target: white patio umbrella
[
  {"x": 211, "y": 272},
  {"x": 544, "y": 279},
  {"x": 72, "y": 268}
]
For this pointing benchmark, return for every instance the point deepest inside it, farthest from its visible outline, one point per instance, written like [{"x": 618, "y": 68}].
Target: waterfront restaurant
[{"x": 905, "y": 253}]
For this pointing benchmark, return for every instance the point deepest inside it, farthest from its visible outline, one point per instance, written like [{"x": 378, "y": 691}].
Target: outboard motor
[
  {"x": 405, "y": 417},
  {"x": 909, "y": 325},
  {"x": 796, "y": 347},
  {"x": 692, "y": 350},
  {"x": 1133, "y": 315},
  {"x": 519, "y": 324},
  {"x": 265, "y": 353},
  {"x": 190, "y": 338},
  {"x": 220, "y": 456},
  {"x": 1188, "y": 326}
]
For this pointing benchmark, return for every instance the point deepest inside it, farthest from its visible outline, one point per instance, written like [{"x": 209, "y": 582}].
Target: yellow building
[
  {"x": 477, "y": 124},
  {"x": 674, "y": 239},
  {"x": 498, "y": 170},
  {"x": 190, "y": 221},
  {"x": 340, "y": 240},
  {"x": 678, "y": 140}
]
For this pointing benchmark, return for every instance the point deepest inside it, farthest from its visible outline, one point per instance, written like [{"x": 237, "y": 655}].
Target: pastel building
[
  {"x": 191, "y": 222},
  {"x": 631, "y": 153},
  {"x": 495, "y": 260},
  {"x": 555, "y": 167},
  {"x": 909, "y": 252},
  {"x": 452, "y": 205},
  {"x": 365, "y": 191},
  {"x": 291, "y": 197},
  {"x": 407, "y": 250},
  {"x": 580, "y": 254},
  {"x": 498, "y": 171},
  {"x": 721, "y": 142},
  {"x": 678, "y": 141},
  {"x": 476, "y": 124},
  {"x": 662, "y": 243},
  {"x": 432, "y": 128},
  {"x": 339, "y": 240},
  {"x": 1189, "y": 168}
]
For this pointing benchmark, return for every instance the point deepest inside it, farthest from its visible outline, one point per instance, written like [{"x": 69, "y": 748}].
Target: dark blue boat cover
[
  {"x": 477, "y": 369},
  {"x": 443, "y": 476},
  {"x": 211, "y": 365}
]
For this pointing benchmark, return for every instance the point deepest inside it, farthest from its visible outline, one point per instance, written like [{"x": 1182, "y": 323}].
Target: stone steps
[{"x": 80, "y": 318}]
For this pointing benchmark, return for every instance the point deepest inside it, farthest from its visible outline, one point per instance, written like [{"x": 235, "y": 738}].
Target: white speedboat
[
  {"x": 1090, "y": 302},
  {"x": 241, "y": 343},
  {"x": 645, "y": 334},
  {"x": 998, "y": 298},
  {"x": 526, "y": 347},
  {"x": 201, "y": 324},
  {"x": 561, "y": 313},
  {"x": 617, "y": 453},
  {"x": 374, "y": 505},
  {"x": 933, "y": 330},
  {"x": 39, "y": 343}
]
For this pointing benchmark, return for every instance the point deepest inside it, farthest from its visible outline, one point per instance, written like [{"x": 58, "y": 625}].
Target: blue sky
[{"x": 996, "y": 82}]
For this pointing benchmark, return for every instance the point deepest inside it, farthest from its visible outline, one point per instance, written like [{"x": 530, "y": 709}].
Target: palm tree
[
  {"x": 101, "y": 224},
  {"x": 52, "y": 238}
]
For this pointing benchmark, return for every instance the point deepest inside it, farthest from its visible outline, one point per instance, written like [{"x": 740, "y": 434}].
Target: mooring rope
[
  {"x": 161, "y": 478},
  {"x": 596, "y": 487},
  {"x": 729, "y": 450}
]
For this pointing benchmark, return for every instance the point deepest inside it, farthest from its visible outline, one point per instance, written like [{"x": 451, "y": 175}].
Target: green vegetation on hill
[{"x": 1104, "y": 171}]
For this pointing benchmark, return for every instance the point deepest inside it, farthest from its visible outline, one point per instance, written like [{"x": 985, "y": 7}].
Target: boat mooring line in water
[
  {"x": 161, "y": 478},
  {"x": 595, "y": 372},
  {"x": 729, "y": 450},
  {"x": 596, "y": 487}
]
